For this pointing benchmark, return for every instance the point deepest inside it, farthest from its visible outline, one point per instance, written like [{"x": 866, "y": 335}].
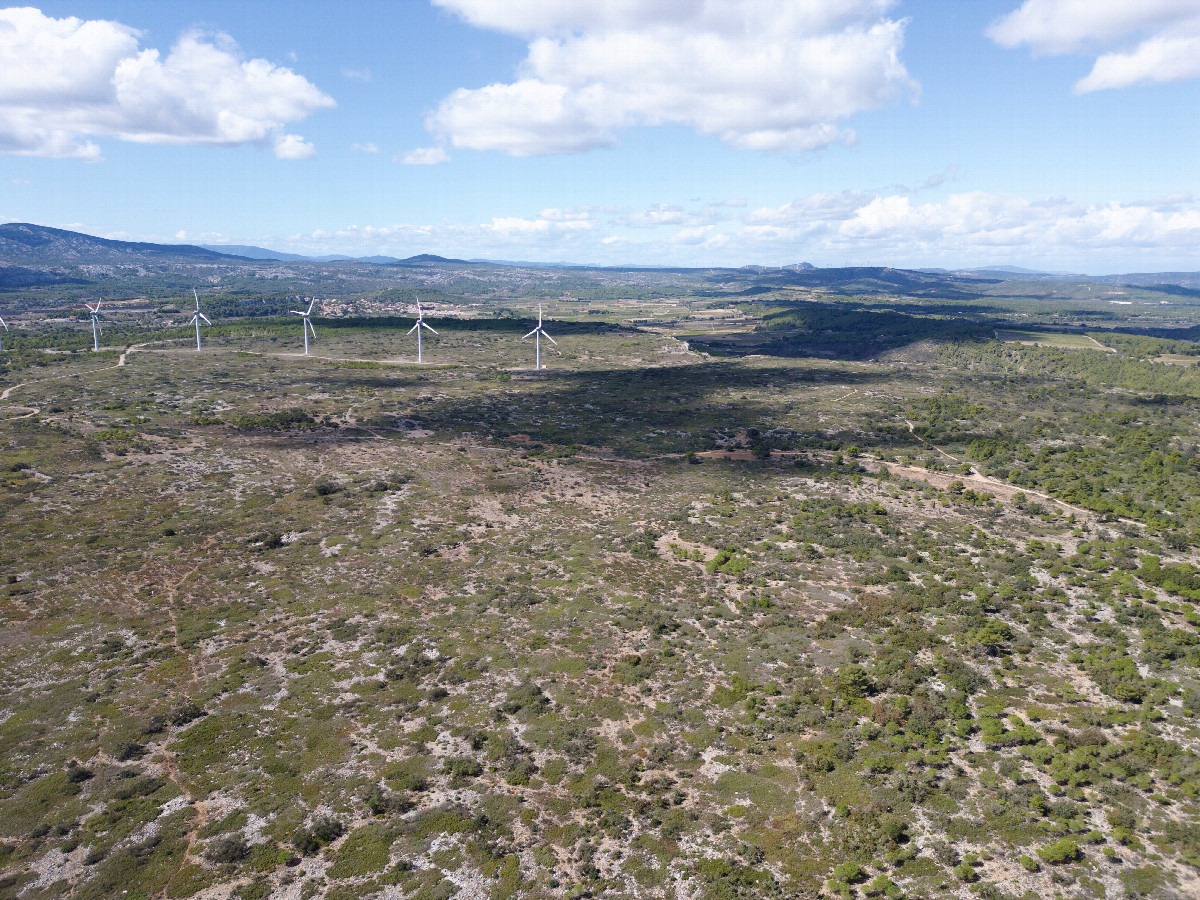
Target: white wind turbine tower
[
  {"x": 306, "y": 325},
  {"x": 195, "y": 319},
  {"x": 5, "y": 324},
  {"x": 537, "y": 334},
  {"x": 95, "y": 313},
  {"x": 417, "y": 328}
]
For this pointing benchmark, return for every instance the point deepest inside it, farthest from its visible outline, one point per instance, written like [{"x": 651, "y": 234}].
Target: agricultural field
[
  {"x": 823, "y": 598},
  {"x": 1050, "y": 339}
]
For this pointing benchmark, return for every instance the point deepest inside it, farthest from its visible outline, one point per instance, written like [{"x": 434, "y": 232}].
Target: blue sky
[{"x": 1057, "y": 134}]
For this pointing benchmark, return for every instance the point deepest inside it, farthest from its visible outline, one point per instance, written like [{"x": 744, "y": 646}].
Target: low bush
[
  {"x": 228, "y": 850},
  {"x": 1060, "y": 852}
]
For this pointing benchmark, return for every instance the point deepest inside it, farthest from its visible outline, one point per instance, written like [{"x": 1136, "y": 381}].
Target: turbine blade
[
  {"x": 297, "y": 312},
  {"x": 197, "y": 296},
  {"x": 310, "y": 326},
  {"x": 430, "y": 327},
  {"x": 204, "y": 317},
  {"x": 310, "y": 306},
  {"x": 531, "y": 334},
  {"x": 414, "y": 328},
  {"x": 550, "y": 339}
]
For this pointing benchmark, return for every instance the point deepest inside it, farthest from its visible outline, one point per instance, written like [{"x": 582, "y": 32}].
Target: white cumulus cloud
[
  {"x": 425, "y": 156},
  {"x": 292, "y": 146},
  {"x": 770, "y": 75},
  {"x": 1160, "y": 58},
  {"x": 1138, "y": 42},
  {"x": 659, "y": 214},
  {"x": 68, "y": 80}
]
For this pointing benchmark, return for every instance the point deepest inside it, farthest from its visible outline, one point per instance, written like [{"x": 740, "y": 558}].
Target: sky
[{"x": 1059, "y": 135}]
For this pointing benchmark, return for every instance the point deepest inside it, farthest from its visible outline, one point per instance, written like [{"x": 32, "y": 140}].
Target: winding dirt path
[
  {"x": 912, "y": 430},
  {"x": 987, "y": 483},
  {"x": 120, "y": 362},
  {"x": 979, "y": 482},
  {"x": 33, "y": 411}
]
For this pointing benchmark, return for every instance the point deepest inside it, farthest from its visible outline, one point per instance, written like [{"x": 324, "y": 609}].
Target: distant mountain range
[
  {"x": 37, "y": 245},
  {"x": 23, "y": 244},
  {"x": 250, "y": 252},
  {"x": 1002, "y": 271},
  {"x": 35, "y": 255}
]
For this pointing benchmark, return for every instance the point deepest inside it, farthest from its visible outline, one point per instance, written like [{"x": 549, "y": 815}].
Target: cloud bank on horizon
[
  {"x": 820, "y": 228},
  {"x": 68, "y": 80}
]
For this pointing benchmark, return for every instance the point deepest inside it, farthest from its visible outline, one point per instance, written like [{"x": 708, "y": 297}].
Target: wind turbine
[
  {"x": 95, "y": 313},
  {"x": 195, "y": 319},
  {"x": 5, "y": 324},
  {"x": 537, "y": 334},
  {"x": 417, "y": 328},
  {"x": 306, "y": 325}
]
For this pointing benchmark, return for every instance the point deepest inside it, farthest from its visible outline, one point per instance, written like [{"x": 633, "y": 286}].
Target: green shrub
[
  {"x": 184, "y": 713},
  {"x": 380, "y": 803},
  {"x": 849, "y": 872},
  {"x": 881, "y": 885},
  {"x": 284, "y": 419},
  {"x": 853, "y": 682},
  {"x": 1060, "y": 852},
  {"x": 966, "y": 873},
  {"x": 460, "y": 767},
  {"x": 528, "y": 697},
  {"x": 324, "y": 830},
  {"x": 728, "y": 562},
  {"x": 227, "y": 850}
]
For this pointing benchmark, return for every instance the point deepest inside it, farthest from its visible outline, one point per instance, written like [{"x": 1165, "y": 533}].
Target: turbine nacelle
[{"x": 310, "y": 308}]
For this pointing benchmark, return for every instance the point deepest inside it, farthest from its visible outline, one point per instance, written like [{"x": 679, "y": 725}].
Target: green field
[{"x": 1049, "y": 339}]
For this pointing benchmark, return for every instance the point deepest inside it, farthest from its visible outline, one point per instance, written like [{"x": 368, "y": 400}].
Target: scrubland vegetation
[{"x": 851, "y": 600}]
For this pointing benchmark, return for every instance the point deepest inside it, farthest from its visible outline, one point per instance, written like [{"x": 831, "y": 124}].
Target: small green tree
[
  {"x": 1060, "y": 852},
  {"x": 853, "y": 682},
  {"x": 849, "y": 872}
]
